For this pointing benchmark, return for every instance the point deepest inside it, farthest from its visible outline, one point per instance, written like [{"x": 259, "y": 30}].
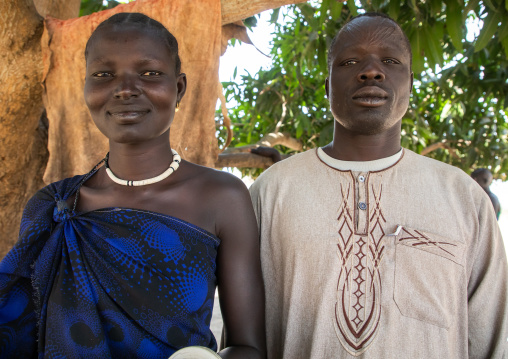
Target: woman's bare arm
[{"x": 239, "y": 277}]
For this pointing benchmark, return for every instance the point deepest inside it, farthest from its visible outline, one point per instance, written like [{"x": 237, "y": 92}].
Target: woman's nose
[{"x": 127, "y": 87}]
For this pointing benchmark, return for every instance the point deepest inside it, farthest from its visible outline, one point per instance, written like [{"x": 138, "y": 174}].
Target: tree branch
[
  {"x": 60, "y": 9},
  {"x": 224, "y": 110},
  {"x": 281, "y": 138},
  {"x": 444, "y": 145},
  {"x": 244, "y": 160},
  {"x": 270, "y": 140},
  {"x": 234, "y": 10}
]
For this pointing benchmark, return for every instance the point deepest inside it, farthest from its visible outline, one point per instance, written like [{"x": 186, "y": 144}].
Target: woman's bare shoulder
[{"x": 214, "y": 179}]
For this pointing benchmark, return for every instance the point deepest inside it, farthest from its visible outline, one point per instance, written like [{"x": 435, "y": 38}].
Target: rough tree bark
[
  {"x": 23, "y": 153},
  {"x": 234, "y": 10},
  {"x": 23, "y": 125},
  {"x": 60, "y": 9}
]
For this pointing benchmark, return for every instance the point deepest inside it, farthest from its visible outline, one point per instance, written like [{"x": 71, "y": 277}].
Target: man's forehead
[
  {"x": 374, "y": 28},
  {"x": 371, "y": 30}
]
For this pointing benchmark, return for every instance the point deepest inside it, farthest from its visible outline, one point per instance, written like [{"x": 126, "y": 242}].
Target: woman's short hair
[{"x": 146, "y": 24}]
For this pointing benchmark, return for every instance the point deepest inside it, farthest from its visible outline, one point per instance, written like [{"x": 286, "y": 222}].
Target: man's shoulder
[
  {"x": 429, "y": 165},
  {"x": 442, "y": 176},
  {"x": 297, "y": 164}
]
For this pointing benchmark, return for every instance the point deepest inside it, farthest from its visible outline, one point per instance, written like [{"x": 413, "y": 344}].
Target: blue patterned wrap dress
[{"x": 109, "y": 283}]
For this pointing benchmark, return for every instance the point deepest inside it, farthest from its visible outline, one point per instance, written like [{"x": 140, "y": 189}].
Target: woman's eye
[
  {"x": 151, "y": 73},
  {"x": 102, "y": 74}
]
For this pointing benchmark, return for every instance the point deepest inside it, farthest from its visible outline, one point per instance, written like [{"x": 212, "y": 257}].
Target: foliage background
[{"x": 457, "y": 111}]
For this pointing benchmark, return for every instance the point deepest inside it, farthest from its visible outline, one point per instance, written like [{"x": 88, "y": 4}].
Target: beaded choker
[{"x": 172, "y": 168}]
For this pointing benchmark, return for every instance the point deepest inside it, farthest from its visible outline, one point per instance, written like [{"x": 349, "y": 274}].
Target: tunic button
[
  {"x": 362, "y": 206},
  {"x": 361, "y": 178}
]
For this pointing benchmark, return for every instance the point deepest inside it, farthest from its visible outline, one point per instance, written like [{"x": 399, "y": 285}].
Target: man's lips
[{"x": 370, "y": 96}]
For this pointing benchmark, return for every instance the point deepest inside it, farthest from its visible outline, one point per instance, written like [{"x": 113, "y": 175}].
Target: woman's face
[{"x": 131, "y": 88}]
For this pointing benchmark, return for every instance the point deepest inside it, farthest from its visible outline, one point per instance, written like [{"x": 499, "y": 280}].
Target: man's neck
[{"x": 352, "y": 147}]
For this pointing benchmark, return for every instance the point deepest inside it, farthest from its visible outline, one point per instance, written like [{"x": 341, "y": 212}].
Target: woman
[{"x": 123, "y": 262}]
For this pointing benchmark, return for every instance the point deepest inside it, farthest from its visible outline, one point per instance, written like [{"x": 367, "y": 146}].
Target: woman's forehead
[
  {"x": 126, "y": 29},
  {"x": 129, "y": 36}
]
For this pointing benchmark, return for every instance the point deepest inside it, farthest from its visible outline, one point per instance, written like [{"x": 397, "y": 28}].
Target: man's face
[
  {"x": 370, "y": 77},
  {"x": 484, "y": 179}
]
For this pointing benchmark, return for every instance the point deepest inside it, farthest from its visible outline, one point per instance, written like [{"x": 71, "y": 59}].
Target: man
[
  {"x": 484, "y": 178},
  {"x": 371, "y": 250}
]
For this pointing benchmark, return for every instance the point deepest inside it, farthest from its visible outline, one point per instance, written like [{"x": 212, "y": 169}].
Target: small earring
[{"x": 177, "y": 106}]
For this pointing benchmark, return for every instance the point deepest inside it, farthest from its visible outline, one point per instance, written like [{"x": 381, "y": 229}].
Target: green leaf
[
  {"x": 504, "y": 42},
  {"x": 336, "y": 9},
  {"x": 471, "y": 5},
  {"x": 323, "y": 9},
  {"x": 490, "y": 25},
  {"x": 275, "y": 16},
  {"x": 454, "y": 24},
  {"x": 503, "y": 32},
  {"x": 376, "y": 4},
  {"x": 352, "y": 7},
  {"x": 418, "y": 58},
  {"x": 394, "y": 9},
  {"x": 436, "y": 6},
  {"x": 490, "y": 5},
  {"x": 433, "y": 48}
]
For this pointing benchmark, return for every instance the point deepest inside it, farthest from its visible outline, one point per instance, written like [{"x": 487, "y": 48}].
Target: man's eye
[
  {"x": 390, "y": 61},
  {"x": 349, "y": 62},
  {"x": 151, "y": 73},
  {"x": 102, "y": 74}
]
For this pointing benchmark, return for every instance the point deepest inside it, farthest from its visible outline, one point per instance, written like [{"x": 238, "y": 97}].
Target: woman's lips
[{"x": 128, "y": 115}]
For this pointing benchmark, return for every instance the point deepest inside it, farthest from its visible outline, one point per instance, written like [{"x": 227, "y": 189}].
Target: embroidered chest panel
[{"x": 360, "y": 247}]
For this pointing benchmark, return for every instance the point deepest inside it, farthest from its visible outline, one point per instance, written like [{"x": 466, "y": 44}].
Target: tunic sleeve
[{"x": 488, "y": 290}]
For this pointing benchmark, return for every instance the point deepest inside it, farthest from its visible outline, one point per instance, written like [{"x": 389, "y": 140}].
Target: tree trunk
[
  {"x": 23, "y": 153},
  {"x": 60, "y": 9},
  {"x": 234, "y": 10}
]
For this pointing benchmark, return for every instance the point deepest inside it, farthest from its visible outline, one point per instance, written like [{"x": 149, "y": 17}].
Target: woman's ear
[{"x": 181, "y": 85}]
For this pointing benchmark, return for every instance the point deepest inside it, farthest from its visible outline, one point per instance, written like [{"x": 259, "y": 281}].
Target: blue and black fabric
[{"x": 110, "y": 283}]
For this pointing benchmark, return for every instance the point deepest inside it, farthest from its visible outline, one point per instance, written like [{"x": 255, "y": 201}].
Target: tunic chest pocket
[{"x": 429, "y": 277}]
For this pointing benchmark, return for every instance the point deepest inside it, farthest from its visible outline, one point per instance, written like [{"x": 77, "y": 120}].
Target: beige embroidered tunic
[{"x": 401, "y": 262}]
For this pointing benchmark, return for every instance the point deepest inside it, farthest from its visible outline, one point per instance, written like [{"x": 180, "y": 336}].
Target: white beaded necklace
[{"x": 172, "y": 168}]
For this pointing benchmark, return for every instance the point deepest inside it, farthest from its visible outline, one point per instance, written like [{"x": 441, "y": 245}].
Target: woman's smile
[{"x": 128, "y": 116}]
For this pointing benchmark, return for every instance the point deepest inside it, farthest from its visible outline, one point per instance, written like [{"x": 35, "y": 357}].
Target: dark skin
[
  {"x": 131, "y": 90},
  {"x": 484, "y": 179},
  {"x": 368, "y": 88}
]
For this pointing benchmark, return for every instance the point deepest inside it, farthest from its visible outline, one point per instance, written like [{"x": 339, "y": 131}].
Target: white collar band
[{"x": 359, "y": 166}]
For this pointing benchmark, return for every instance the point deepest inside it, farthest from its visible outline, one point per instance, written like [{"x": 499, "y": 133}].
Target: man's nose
[
  {"x": 371, "y": 71},
  {"x": 127, "y": 87}
]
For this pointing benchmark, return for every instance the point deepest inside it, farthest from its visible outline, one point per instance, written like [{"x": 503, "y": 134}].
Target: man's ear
[{"x": 326, "y": 87}]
